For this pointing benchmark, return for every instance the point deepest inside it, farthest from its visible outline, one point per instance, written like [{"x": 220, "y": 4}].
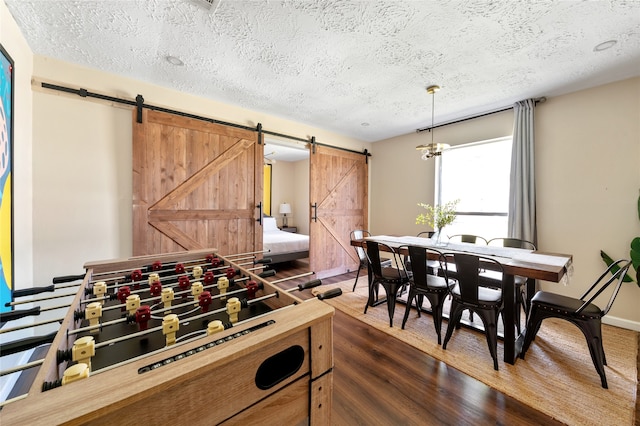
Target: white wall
[
  {"x": 587, "y": 181},
  {"x": 302, "y": 213},
  {"x": 291, "y": 185}
]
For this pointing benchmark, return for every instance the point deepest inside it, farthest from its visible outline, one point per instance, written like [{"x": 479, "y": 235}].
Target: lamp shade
[{"x": 285, "y": 208}]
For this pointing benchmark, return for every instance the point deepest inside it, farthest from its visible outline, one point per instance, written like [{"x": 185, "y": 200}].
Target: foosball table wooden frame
[{"x": 214, "y": 386}]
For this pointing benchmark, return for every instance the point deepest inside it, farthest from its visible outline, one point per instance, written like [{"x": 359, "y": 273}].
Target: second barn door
[
  {"x": 339, "y": 204},
  {"x": 196, "y": 185}
]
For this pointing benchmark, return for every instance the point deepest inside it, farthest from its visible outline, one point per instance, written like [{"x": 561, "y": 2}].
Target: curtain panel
[{"x": 522, "y": 192}]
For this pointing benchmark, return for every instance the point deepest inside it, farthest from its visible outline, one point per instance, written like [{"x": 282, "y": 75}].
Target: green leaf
[
  {"x": 608, "y": 260},
  {"x": 635, "y": 253}
]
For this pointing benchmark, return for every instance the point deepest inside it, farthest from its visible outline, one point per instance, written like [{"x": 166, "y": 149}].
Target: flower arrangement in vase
[{"x": 438, "y": 216}]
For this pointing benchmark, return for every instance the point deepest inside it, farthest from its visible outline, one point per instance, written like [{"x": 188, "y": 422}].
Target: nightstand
[{"x": 292, "y": 229}]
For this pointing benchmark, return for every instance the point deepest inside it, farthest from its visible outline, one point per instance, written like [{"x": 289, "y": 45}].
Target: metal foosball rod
[
  {"x": 334, "y": 292},
  {"x": 21, "y": 313},
  {"x": 23, "y": 367}
]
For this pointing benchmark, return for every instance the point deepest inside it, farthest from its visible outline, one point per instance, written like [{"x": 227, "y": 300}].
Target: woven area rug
[{"x": 557, "y": 377}]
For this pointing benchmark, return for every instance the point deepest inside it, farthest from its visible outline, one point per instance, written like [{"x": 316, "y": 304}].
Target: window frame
[{"x": 438, "y": 177}]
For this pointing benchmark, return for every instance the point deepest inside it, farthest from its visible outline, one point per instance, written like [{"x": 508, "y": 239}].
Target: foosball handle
[
  {"x": 334, "y": 292},
  {"x": 263, "y": 260},
  {"x": 25, "y": 344},
  {"x": 33, "y": 290},
  {"x": 19, "y": 313},
  {"x": 309, "y": 284},
  {"x": 67, "y": 278},
  {"x": 265, "y": 274}
]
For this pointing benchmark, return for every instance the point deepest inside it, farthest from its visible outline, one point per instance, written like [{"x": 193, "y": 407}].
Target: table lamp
[{"x": 285, "y": 208}]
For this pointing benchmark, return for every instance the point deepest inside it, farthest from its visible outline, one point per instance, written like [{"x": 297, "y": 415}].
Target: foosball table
[{"x": 190, "y": 338}]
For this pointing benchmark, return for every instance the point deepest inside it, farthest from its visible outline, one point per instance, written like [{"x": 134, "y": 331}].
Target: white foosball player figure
[
  {"x": 214, "y": 327},
  {"x": 83, "y": 349},
  {"x": 170, "y": 325},
  {"x": 133, "y": 303},
  {"x": 75, "y": 372},
  {"x": 167, "y": 298},
  {"x": 197, "y": 272},
  {"x": 196, "y": 289},
  {"x": 93, "y": 313},
  {"x": 223, "y": 285},
  {"x": 233, "y": 307},
  {"x": 99, "y": 290}
]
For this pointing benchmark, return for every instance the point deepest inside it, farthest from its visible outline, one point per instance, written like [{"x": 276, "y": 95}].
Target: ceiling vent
[{"x": 210, "y": 5}]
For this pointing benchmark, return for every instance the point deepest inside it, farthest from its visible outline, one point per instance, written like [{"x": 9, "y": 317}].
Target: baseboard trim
[{"x": 621, "y": 322}]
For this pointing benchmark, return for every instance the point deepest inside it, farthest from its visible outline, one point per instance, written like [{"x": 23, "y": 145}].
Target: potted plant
[
  {"x": 438, "y": 217},
  {"x": 634, "y": 253}
]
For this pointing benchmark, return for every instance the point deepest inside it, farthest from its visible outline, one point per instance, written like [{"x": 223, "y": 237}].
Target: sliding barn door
[
  {"x": 338, "y": 196},
  {"x": 195, "y": 185}
]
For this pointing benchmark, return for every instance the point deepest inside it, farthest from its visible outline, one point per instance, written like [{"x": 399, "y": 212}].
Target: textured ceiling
[{"x": 337, "y": 64}]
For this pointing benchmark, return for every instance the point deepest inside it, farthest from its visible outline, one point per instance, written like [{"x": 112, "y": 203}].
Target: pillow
[{"x": 269, "y": 224}]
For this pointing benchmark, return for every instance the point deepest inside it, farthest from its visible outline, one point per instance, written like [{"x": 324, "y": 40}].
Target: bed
[{"x": 282, "y": 246}]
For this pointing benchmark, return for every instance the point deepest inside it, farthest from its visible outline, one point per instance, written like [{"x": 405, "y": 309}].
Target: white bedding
[{"x": 277, "y": 241}]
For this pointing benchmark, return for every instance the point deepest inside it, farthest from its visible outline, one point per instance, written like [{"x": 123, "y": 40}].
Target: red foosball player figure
[
  {"x": 155, "y": 288},
  {"x": 204, "y": 300},
  {"x": 143, "y": 315},
  {"x": 213, "y": 260},
  {"x": 209, "y": 278},
  {"x": 230, "y": 272},
  {"x": 183, "y": 283},
  {"x": 123, "y": 293},
  {"x": 136, "y": 277},
  {"x": 252, "y": 289}
]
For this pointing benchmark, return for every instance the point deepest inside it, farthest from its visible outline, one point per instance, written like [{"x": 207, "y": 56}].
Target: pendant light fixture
[{"x": 432, "y": 149}]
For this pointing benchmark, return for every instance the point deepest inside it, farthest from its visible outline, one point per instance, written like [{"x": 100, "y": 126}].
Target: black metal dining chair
[
  {"x": 468, "y": 238},
  {"x": 465, "y": 238},
  {"x": 519, "y": 282},
  {"x": 582, "y": 312},
  {"x": 360, "y": 234},
  {"x": 423, "y": 283},
  {"x": 394, "y": 280},
  {"x": 469, "y": 294}
]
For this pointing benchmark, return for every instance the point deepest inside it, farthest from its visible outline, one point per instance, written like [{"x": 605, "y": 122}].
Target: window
[{"x": 478, "y": 175}]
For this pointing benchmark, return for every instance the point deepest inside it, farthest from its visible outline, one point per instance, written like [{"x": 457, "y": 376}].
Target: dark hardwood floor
[{"x": 379, "y": 380}]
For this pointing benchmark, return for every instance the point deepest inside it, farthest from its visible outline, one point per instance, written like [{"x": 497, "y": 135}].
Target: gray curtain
[{"x": 522, "y": 192}]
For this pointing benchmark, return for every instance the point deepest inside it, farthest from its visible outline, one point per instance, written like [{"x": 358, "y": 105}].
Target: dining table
[{"x": 532, "y": 264}]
